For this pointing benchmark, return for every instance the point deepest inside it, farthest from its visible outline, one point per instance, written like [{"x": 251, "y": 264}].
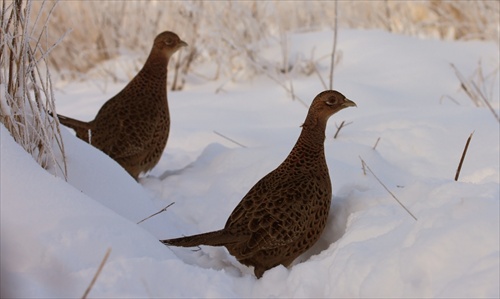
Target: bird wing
[
  {"x": 274, "y": 211},
  {"x": 121, "y": 138}
]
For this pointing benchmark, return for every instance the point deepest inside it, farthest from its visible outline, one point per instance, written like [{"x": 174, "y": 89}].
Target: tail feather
[
  {"x": 215, "y": 238},
  {"x": 73, "y": 123},
  {"x": 81, "y": 128}
]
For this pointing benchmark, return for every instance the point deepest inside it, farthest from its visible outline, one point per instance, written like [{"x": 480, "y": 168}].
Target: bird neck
[
  {"x": 312, "y": 137},
  {"x": 156, "y": 65},
  {"x": 313, "y": 131},
  {"x": 308, "y": 151}
]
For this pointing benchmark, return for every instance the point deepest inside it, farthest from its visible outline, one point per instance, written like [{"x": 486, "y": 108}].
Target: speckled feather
[
  {"x": 285, "y": 212},
  {"x": 133, "y": 126}
]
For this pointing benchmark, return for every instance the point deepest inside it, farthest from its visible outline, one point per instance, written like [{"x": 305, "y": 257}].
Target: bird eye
[
  {"x": 331, "y": 101},
  {"x": 169, "y": 42}
]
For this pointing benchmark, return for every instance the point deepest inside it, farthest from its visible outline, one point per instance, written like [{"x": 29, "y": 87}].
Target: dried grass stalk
[
  {"x": 334, "y": 50},
  {"x": 26, "y": 92},
  {"x": 365, "y": 166},
  {"x": 96, "y": 275},
  {"x": 459, "y": 168},
  {"x": 159, "y": 212},
  {"x": 230, "y": 139},
  {"x": 474, "y": 88},
  {"x": 342, "y": 124},
  {"x": 376, "y": 143}
]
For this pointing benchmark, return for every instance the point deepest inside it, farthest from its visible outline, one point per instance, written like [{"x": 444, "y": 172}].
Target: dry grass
[
  {"x": 462, "y": 158},
  {"x": 366, "y": 167},
  {"x": 229, "y": 34},
  {"x": 25, "y": 83},
  {"x": 479, "y": 88},
  {"x": 98, "y": 272},
  {"x": 157, "y": 213},
  {"x": 229, "y": 139},
  {"x": 342, "y": 125}
]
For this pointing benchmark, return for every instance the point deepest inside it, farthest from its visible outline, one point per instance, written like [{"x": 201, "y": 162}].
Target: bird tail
[
  {"x": 215, "y": 238},
  {"x": 73, "y": 123},
  {"x": 81, "y": 128}
]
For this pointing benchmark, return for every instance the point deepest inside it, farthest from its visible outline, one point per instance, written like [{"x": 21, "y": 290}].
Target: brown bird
[
  {"x": 285, "y": 213},
  {"x": 133, "y": 126}
]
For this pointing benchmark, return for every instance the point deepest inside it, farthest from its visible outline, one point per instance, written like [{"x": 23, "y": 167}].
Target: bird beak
[
  {"x": 349, "y": 103},
  {"x": 182, "y": 44}
]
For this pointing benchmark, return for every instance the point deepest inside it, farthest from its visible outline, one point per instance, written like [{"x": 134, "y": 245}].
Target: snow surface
[{"x": 55, "y": 233}]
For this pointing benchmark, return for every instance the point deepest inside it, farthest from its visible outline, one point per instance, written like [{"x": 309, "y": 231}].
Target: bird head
[
  {"x": 168, "y": 43},
  {"x": 330, "y": 102},
  {"x": 325, "y": 104}
]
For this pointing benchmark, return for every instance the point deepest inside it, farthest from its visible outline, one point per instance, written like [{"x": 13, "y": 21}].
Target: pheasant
[
  {"x": 133, "y": 126},
  {"x": 285, "y": 212}
]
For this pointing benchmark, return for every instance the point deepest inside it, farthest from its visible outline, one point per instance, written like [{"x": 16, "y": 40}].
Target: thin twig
[
  {"x": 160, "y": 211},
  {"x": 463, "y": 157},
  {"x": 465, "y": 86},
  {"x": 338, "y": 129},
  {"x": 388, "y": 16},
  {"x": 291, "y": 86},
  {"x": 363, "y": 166},
  {"x": 342, "y": 124},
  {"x": 315, "y": 69},
  {"x": 473, "y": 91},
  {"x": 482, "y": 97},
  {"x": 105, "y": 258},
  {"x": 387, "y": 189},
  {"x": 376, "y": 143},
  {"x": 177, "y": 67},
  {"x": 332, "y": 63},
  {"x": 232, "y": 140},
  {"x": 319, "y": 75},
  {"x": 448, "y": 97}
]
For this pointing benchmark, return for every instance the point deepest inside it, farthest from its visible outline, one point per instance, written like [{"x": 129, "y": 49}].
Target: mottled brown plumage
[
  {"x": 285, "y": 213},
  {"x": 133, "y": 126}
]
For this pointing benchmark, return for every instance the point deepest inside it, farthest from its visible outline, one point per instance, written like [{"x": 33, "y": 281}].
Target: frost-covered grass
[
  {"x": 230, "y": 34},
  {"x": 54, "y": 233},
  {"x": 26, "y": 92}
]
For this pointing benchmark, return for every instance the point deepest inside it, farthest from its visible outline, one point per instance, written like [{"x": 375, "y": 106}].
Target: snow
[{"x": 55, "y": 233}]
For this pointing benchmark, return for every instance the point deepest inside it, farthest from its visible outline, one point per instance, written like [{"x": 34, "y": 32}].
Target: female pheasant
[
  {"x": 133, "y": 126},
  {"x": 285, "y": 213}
]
